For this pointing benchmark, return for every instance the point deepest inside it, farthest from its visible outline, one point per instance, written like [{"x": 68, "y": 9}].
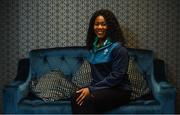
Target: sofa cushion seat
[
  {"x": 37, "y": 102},
  {"x": 138, "y": 107},
  {"x": 144, "y": 102},
  {"x": 38, "y": 106}
]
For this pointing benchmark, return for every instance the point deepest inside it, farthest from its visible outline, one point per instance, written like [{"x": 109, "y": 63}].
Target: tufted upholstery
[{"x": 68, "y": 59}]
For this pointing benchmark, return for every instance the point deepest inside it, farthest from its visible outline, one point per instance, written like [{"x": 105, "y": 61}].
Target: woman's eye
[
  {"x": 96, "y": 24},
  {"x": 103, "y": 24}
]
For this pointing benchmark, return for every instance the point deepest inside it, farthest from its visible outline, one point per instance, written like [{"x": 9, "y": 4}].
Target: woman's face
[{"x": 100, "y": 27}]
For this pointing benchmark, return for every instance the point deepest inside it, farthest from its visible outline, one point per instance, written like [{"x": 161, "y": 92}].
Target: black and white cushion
[
  {"x": 53, "y": 86},
  {"x": 82, "y": 76},
  {"x": 136, "y": 78}
]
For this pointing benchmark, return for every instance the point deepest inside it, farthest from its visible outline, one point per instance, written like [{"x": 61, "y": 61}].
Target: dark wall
[
  {"x": 9, "y": 11},
  {"x": 30, "y": 24}
]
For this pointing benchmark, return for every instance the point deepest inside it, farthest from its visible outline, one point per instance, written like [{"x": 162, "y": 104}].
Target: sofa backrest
[{"x": 69, "y": 59}]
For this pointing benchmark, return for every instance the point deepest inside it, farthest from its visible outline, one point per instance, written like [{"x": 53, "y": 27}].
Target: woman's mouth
[{"x": 100, "y": 32}]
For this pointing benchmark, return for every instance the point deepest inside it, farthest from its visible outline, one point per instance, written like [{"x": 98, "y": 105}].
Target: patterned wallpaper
[{"x": 33, "y": 24}]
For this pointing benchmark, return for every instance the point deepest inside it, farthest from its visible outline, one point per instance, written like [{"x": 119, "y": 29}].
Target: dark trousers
[{"x": 101, "y": 101}]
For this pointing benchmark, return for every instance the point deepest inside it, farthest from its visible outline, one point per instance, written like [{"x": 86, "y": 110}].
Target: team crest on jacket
[{"x": 105, "y": 51}]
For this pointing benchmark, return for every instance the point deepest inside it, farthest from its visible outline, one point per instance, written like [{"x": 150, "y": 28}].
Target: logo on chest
[{"x": 105, "y": 51}]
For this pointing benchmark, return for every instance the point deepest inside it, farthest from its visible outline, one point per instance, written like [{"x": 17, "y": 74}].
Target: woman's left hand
[{"x": 84, "y": 92}]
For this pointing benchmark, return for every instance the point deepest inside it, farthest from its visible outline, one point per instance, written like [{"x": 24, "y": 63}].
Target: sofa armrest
[
  {"x": 165, "y": 94},
  {"x": 12, "y": 94},
  {"x": 163, "y": 91},
  {"x": 17, "y": 89}
]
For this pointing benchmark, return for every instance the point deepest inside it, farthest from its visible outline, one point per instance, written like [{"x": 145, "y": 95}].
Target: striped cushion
[
  {"x": 53, "y": 86},
  {"x": 139, "y": 84}
]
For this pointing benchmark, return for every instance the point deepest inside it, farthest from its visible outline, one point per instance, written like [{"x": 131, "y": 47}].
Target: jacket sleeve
[{"x": 119, "y": 62}]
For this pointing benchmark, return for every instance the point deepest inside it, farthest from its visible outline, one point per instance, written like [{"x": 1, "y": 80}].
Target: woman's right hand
[{"x": 84, "y": 92}]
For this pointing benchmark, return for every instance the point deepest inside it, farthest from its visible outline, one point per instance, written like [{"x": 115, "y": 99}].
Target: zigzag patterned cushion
[
  {"x": 139, "y": 84},
  {"x": 53, "y": 86},
  {"x": 82, "y": 77}
]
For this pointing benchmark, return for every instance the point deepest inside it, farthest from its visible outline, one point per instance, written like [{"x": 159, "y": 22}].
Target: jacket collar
[{"x": 106, "y": 43}]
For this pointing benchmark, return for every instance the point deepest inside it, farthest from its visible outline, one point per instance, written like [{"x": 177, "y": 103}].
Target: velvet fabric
[{"x": 16, "y": 97}]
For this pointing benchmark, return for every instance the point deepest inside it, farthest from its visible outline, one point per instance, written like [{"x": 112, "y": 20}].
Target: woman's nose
[{"x": 100, "y": 26}]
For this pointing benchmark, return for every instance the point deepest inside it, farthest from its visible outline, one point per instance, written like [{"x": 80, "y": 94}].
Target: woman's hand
[{"x": 84, "y": 92}]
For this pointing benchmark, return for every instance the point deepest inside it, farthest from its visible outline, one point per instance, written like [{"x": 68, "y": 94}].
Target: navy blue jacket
[{"x": 109, "y": 66}]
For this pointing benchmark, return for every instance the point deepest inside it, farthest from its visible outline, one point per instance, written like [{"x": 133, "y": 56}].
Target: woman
[{"x": 109, "y": 63}]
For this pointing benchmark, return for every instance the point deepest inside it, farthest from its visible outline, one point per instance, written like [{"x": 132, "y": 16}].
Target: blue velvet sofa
[{"x": 15, "y": 94}]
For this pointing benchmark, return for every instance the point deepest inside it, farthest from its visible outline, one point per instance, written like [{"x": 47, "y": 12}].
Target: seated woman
[{"x": 109, "y": 63}]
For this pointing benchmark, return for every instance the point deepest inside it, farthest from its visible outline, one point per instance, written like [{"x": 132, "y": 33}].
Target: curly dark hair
[{"x": 114, "y": 31}]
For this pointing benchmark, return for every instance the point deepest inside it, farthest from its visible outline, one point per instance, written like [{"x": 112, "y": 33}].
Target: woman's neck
[{"x": 101, "y": 40}]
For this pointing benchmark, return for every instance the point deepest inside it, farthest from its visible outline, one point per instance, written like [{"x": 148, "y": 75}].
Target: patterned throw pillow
[
  {"x": 53, "y": 86},
  {"x": 139, "y": 84},
  {"x": 82, "y": 77}
]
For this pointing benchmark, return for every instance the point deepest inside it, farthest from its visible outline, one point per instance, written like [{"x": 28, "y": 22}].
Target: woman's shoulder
[{"x": 118, "y": 47}]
